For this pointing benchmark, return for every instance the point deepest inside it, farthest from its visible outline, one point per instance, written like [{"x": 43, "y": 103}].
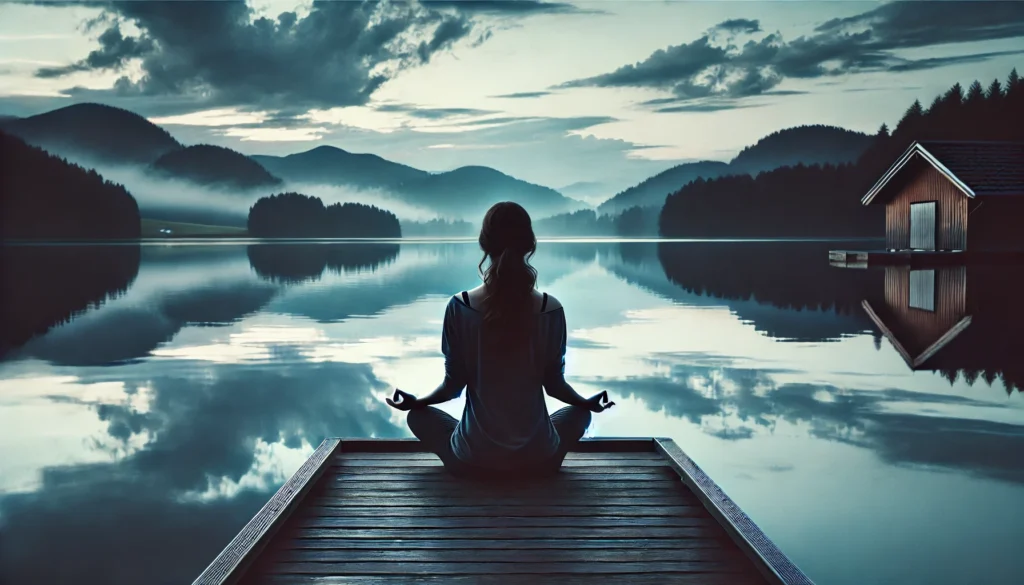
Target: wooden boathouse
[
  {"x": 368, "y": 511},
  {"x": 954, "y": 197}
]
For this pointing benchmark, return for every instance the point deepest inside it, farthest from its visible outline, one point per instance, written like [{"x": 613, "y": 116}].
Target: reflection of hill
[
  {"x": 44, "y": 286},
  {"x": 783, "y": 288},
  {"x": 289, "y": 263}
]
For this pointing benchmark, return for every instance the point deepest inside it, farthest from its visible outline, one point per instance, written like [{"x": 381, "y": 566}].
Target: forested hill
[
  {"x": 214, "y": 166},
  {"x": 45, "y": 197},
  {"x": 806, "y": 145},
  {"x": 95, "y": 131},
  {"x": 652, "y": 191},
  {"x": 792, "y": 146},
  {"x": 824, "y": 201}
]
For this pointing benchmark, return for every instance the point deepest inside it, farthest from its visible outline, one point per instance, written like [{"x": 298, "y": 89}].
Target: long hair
[{"x": 507, "y": 240}]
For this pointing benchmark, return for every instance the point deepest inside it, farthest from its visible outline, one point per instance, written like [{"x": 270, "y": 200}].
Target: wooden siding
[
  {"x": 621, "y": 510},
  {"x": 927, "y": 184},
  {"x": 916, "y": 331}
]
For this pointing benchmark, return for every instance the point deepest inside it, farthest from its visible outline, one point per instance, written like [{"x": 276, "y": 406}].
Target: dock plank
[
  {"x": 515, "y": 532},
  {"x": 607, "y": 555},
  {"x": 385, "y": 511},
  {"x": 502, "y": 522},
  {"x": 455, "y": 505},
  {"x": 492, "y": 579},
  {"x": 478, "y": 544},
  {"x": 471, "y": 568},
  {"x": 504, "y": 511}
]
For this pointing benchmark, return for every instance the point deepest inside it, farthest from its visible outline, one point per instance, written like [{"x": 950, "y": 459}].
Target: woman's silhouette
[{"x": 505, "y": 341}]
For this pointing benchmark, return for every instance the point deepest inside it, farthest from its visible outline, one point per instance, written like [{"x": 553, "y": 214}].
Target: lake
[{"x": 153, "y": 397}]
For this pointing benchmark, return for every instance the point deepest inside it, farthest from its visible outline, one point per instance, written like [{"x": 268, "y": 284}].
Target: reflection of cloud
[
  {"x": 736, "y": 404},
  {"x": 207, "y": 465}
]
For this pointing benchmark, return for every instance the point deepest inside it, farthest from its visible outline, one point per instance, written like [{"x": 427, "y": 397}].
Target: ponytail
[{"x": 507, "y": 240}]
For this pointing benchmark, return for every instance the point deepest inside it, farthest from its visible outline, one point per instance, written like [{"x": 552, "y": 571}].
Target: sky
[{"x": 595, "y": 95}]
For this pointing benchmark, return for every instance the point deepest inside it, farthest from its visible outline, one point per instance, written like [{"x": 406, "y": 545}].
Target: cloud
[
  {"x": 222, "y": 54},
  {"x": 523, "y": 95},
  {"x": 708, "y": 68},
  {"x": 507, "y": 7},
  {"x": 739, "y": 25},
  {"x": 432, "y": 113}
]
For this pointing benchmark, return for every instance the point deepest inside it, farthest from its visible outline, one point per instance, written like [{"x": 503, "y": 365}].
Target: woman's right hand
[
  {"x": 402, "y": 400},
  {"x": 599, "y": 402}
]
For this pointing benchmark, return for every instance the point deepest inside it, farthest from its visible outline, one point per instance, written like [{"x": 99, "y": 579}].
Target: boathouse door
[{"x": 922, "y": 226}]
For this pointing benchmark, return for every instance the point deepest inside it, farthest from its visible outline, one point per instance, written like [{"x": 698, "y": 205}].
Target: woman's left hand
[{"x": 402, "y": 400}]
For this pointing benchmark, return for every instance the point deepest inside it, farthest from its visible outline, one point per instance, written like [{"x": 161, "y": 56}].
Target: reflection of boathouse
[
  {"x": 961, "y": 319},
  {"x": 954, "y": 196}
]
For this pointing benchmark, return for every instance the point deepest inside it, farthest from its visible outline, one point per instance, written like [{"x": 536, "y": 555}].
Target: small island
[{"x": 294, "y": 215}]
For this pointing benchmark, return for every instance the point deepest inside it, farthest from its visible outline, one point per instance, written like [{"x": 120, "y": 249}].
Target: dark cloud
[
  {"x": 115, "y": 50},
  {"x": 739, "y": 25},
  {"x": 523, "y": 94},
  {"x": 705, "y": 68},
  {"x": 219, "y": 53},
  {"x": 432, "y": 113},
  {"x": 506, "y": 7}
]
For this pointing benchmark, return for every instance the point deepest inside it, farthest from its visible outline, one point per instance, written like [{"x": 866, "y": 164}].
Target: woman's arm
[
  {"x": 454, "y": 379},
  {"x": 554, "y": 376}
]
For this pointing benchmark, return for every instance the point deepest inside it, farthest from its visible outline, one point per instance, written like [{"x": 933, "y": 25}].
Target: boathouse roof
[{"x": 977, "y": 168}]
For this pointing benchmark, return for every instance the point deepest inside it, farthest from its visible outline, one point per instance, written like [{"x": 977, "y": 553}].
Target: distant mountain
[
  {"x": 215, "y": 166},
  {"x": 327, "y": 164},
  {"x": 94, "y": 131},
  {"x": 589, "y": 191},
  {"x": 806, "y": 145},
  {"x": 465, "y": 192},
  {"x": 653, "y": 191}
]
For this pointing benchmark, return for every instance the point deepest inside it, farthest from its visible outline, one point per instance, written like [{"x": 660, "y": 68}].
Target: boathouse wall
[{"x": 928, "y": 184}]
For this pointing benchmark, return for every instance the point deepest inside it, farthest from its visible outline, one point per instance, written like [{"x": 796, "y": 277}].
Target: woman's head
[{"x": 507, "y": 240}]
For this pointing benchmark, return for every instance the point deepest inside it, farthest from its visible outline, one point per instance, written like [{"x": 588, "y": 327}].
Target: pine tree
[
  {"x": 995, "y": 91},
  {"x": 1012, "y": 81},
  {"x": 975, "y": 95},
  {"x": 883, "y": 131}
]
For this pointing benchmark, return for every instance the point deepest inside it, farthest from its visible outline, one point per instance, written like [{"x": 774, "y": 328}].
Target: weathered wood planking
[
  {"x": 770, "y": 561},
  {"x": 632, "y": 510},
  {"x": 232, "y": 562}
]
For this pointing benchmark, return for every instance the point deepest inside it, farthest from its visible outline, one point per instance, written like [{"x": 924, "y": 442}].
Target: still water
[{"x": 152, "y": 398}]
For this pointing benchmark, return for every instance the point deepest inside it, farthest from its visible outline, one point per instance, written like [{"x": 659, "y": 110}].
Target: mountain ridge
[{"x": 808, "y": 145}]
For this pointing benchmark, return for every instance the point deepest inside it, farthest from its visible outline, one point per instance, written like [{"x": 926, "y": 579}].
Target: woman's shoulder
[{"x": 553, "y": 304}]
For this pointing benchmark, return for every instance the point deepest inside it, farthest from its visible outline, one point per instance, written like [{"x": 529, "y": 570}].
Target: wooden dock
[
  {"x": 919, "y": 258},
  {"x": 367, "y": 511}
]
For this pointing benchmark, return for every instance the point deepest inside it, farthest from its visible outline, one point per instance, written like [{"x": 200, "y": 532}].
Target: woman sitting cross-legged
[{"x": 504, "y": 341}]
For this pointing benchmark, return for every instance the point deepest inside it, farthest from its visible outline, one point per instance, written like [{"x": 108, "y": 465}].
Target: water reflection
[
  {"x": 291, "y": 263},
  {"x": 960, "y": 320},
  {"x": 177, "y": 404},
  {"x": 44, "y": 286}
]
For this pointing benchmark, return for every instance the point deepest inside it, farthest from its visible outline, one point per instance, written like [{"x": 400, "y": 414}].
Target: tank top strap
[
  {"x": 465, "y": 298},
  {"x": 544, "y": 303}
]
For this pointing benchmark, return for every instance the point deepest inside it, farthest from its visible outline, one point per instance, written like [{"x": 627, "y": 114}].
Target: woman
[{"x": 504, "y": 341}]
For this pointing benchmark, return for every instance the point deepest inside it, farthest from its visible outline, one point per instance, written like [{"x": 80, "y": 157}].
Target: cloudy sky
[{"x": 553, "y": 92}]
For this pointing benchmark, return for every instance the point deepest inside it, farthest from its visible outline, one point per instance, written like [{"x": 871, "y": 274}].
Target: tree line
[
  {"x": 46, "y": 197},
  {"x": 824, "y": 200},
  {"x": 294, "y": 215}
]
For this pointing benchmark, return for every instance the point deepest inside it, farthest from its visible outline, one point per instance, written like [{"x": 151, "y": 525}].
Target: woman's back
[{"x": 505, "y": 423}]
